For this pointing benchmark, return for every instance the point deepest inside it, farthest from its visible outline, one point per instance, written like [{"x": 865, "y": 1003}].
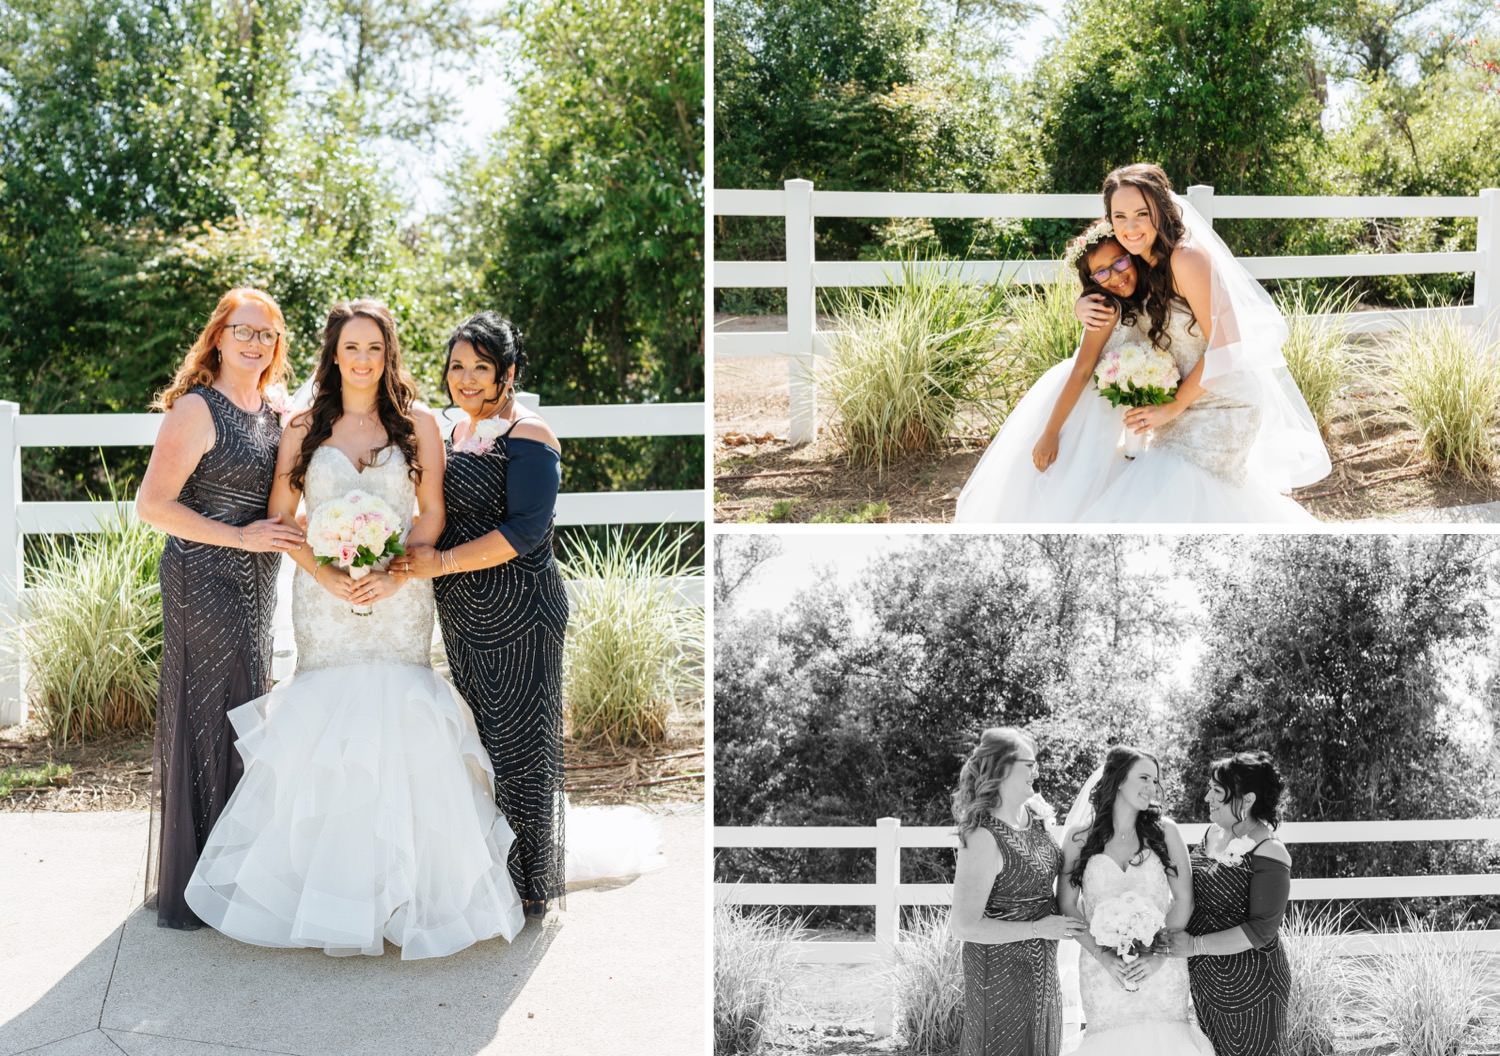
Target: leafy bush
[
  {"x": 908, "y": 358},
  {"x": 93, "y": 631},
  {"x": 753, "y": 958},
  {"x": 632, "y": 646},
  {"x": 1448, "y": 377}
]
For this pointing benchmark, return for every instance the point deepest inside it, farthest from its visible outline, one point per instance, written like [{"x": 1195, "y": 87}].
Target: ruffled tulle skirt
[
  {"x": 364, "y": 814},
  {"x": 1163, "y": 486},
  {"x": 1174, "y": 1038},
  {"x": 1005, "y": 486}
]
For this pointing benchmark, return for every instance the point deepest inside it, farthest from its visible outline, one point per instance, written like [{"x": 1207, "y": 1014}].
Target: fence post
[
  {"x": 12, "y": 697},
  {"x": 1201, "y": 197},
  {"x": 1487, "y": 274},
  {"x": 887, "y": 911},
  {"x": 801, "y": 313}
]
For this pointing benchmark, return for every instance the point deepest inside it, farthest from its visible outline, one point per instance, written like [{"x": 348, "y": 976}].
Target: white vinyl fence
[
  {"x": 19, "y": 518},
  {"x": 801, "y": 275},
  {"x": 888, "y": 894}
]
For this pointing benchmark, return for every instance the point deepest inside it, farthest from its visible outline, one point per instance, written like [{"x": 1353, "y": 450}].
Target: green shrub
[
  {"x": 908, "y": 358},
  {"x": 1448, "y": 376},
  {"x": 92, "y": 630},
  {"x": 753, "y": 959},
  {"x": 1043, "y": 332},
  {"x": 1317, "y": 349},
  {"x": 632, "y": 647}
]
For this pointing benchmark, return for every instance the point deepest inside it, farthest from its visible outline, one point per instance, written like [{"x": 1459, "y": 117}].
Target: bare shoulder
[
  {"x": 426, "y": 424},
  {"x": 296, "y": 430},
  {"x": 1073, "y": 838},
  {"x": 980, "y": 842},
  {"x": 188, "y": 421},
  {"x": 1190, "y": 261},
  {"x": 536, "y": 429},
  {"x": 1275, "y": 850}
]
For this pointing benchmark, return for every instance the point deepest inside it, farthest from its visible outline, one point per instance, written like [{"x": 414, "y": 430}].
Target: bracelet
[
  {"x": 1196, "y": 949},
  {"x": 242, "y": 537},
  {"x": 448, "y": 562},
  {"x": 1034, "y": 935}
]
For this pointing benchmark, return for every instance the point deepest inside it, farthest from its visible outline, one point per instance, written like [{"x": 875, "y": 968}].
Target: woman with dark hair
[
  {"x": 500, "y": 597},
  {"x": 364, "y": 813},
  {"x": 1117, "y": 846},
  {"x": 1055, "y": 454},
  {"x": 1005, "y": 902},
  {"x": 206, "y": 487},
  {"x": 1237, "y": 433},
  {"x": 1242, "y": 879}
]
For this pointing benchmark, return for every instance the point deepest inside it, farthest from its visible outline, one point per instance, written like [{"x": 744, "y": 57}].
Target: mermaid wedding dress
[
  {"x": 1155, "y": 1018},
  {"x": 365, "y": 812}
]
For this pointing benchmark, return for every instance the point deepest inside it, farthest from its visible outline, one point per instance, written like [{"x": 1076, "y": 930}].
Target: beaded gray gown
[
  {"x": 217, "y": 607},
  {"x": 1012, "y": 994}
]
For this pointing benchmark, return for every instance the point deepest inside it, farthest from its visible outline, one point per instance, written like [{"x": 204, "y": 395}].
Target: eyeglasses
[
  {"x": 246, "y": 332},
  {"x": 1103, "y": 273}
]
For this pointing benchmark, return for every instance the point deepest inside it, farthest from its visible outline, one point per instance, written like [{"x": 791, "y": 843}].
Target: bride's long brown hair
[
  {"x": 1155, "y": 290},
  {"x": 393, "y": 400}
]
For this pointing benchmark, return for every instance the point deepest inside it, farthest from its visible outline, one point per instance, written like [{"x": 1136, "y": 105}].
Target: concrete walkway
[{"x": 85, "y": 972}]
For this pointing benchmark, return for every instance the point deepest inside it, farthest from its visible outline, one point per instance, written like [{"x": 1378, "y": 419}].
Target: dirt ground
[
  {"x": 1378, "y": 469},
  {"x": 115, "y": 773}
]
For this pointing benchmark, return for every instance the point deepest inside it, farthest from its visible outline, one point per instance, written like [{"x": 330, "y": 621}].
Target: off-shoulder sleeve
[
  {"x": 1270, "y": 887},
  {"x": 532, "y": 477}
]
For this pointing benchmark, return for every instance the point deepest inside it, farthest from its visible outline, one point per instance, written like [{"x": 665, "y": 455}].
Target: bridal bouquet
[
  {"x": 358, "y": 533},
  {"x": 1136, "y": 376},
  {"x": 1127, "y": 924}
]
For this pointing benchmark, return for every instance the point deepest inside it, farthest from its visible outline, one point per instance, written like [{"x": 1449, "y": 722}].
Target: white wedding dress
[
  {"x": 366, "y": 809},
  {"x": 1156, "y": 1018},
  {"x": 1198, "y": 467},
  {"x": 1005, "y": 486}
]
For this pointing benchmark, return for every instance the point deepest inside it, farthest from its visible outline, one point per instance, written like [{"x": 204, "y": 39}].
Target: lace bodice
[
  {"x": 1164, "y": 996},
  {"x": 327, "y": 631},
  {"x": 1215, "y": 432}
]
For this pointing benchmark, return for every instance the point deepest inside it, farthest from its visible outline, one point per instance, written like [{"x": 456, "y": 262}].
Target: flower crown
[{"x": 1097, "y": 232}]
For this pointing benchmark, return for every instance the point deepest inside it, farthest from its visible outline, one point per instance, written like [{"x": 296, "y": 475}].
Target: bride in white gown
[
  {"x": 365, "y": 812},
  {"x": 1116, "y": 843}
]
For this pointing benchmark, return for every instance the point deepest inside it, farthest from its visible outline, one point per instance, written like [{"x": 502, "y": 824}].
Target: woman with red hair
[{"x": 206, "y": 487}]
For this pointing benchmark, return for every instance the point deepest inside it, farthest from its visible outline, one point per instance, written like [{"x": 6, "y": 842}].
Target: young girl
[{"x": 1056, "y": 453}]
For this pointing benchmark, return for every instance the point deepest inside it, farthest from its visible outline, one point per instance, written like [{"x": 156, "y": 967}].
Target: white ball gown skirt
[
  {"x": 364, "y": 814},
  {"x": 1005, "y": 486},
  {"x": 1197, "y": 469}
]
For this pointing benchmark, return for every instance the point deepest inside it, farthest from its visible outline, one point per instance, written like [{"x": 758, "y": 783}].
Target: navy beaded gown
[
  {"x": 217, "y": 607},
  {"x": 503, "y": 630},
  {"x": 1241, "y": 1000},
  {"x": 1012, "y": 994}
]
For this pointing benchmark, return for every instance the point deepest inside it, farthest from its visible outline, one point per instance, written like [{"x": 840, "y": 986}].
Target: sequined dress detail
[
  {"x": 1241, "y": 999},
  {"x": 503, "y": 628},
  {"x": 1012, "y": 995},
  {"x": 217, "y": 609}
]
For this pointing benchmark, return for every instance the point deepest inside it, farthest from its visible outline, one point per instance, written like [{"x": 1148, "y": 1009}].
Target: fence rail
[
  {"x": 22, "y": 518},
  {"x": 888, "y": 838},
  {"x": 801, "y": 275}
]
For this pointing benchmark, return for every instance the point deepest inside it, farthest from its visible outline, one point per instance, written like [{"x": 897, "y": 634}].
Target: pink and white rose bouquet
[
  {"x": 359, "y": 533},
  {"x": 1133, "y": 375}
]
